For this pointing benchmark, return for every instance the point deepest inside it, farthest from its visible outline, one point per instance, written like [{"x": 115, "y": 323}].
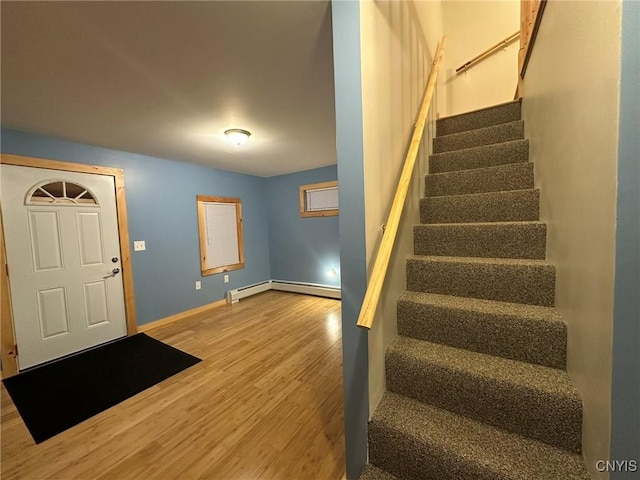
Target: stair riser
[
  {"x": 516, "y": 206},
  {"x": 533, "y": 285},
  {"x": 480, "y": 157},
  {"x": 399, "y": 455},
  {"x": 517, "y": 338},
  {"x": 476, "y": 138},
  {"x": 517, "y": 176},
  {"x": 552, "y": 419},
  {"x": 480, "y": 119},
  {"x": 487, "y": 240}
]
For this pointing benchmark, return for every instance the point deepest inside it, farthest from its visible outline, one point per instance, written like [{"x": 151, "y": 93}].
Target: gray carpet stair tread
[
  {"x": 511, "y": 206},
  {"x": 513, "y": 176},
  {"x": 374, "y": 473},
  {"x": 503, "y": 279},
  {"x": 528, "y": 333},
  {"x": 504, "y": 153},
  {"x": 484, "y": 117},
  {"x": 545, "y": 380},
  {"x": 484, "y": 261},
  {"x": 413, "y": 440},
  {"x": 482, "y": 239},
  {"x": 532, "y": 400},
  {"x": 492, "y": 307},
  {"x": 504, "y": 132}
]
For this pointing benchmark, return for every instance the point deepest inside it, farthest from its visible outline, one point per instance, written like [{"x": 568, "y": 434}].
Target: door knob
[
  {"x": 115, "y": 271},
  {"x": 114, "y": 259}
]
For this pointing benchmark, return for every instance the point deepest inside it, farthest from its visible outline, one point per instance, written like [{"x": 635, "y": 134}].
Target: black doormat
[{"x": 61, "y": 394}]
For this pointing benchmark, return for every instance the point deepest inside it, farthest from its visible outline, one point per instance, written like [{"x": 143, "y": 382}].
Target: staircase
[{"x": 476, "y": 380}]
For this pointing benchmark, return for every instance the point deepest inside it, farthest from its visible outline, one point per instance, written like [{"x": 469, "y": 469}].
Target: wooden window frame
[
  {"x": 8, "y": 351},
  {"x": 202, "y": 232},
  {"x": 303, "y": 203}
]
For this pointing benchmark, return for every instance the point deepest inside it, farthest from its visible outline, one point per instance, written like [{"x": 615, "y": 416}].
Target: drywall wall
[
  {"x": 471, "y": 28},
  {"x": 301, "y": 249},
  {"x": 625, "y": 395},
  {"x": 161, "y": 207},
  {"x": 399, "y": 41},
  {"x": 348, "y": 99},
  {"x": 571, "y": 109}
]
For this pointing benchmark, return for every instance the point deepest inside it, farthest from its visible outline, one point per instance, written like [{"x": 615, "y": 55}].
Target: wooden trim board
[
  {"x": 125, "y": 249},
  {"x": 530, "y": 17},
  {"x": 181, "y": 316},
  {"x": 7, "y": 337}
]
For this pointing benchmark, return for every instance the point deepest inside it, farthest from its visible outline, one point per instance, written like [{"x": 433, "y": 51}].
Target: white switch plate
[
  {"x": 198, "y": 285},
  {"x": 226, "y": 279},
  {"x": 139, "y": 246}
]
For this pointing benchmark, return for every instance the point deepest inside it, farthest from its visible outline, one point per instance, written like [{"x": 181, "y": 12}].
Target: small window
[
  {"x": 60, "y": 192},
  {"x": 319, "y": 199},
  {"x": 220, "y": 228}
]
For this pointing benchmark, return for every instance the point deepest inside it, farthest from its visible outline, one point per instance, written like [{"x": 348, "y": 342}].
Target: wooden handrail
[
  {"x": 381, "y": 263},
  {"x": 480, "y": 56}
]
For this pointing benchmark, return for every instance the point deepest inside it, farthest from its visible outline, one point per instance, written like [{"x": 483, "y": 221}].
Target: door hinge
[
  {"x": 6, "y": 267},
  {"x": 14, "y": 351}
]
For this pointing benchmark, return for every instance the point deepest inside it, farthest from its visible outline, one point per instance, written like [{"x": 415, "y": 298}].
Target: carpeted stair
[{"x": 476, "y": 380}]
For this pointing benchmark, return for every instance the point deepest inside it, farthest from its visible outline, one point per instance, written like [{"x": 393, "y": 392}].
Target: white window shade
[
  {"x": 322, "y": 199},
  {"x": 220, "y": 228},
  {"x": 222, "y": 236}
]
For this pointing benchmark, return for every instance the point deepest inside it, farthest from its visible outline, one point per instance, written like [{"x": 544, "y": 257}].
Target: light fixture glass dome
[{"x": 237, "y": 136}]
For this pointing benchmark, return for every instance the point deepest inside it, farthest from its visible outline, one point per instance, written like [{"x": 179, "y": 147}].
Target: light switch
[
  {"x": 198, "y": 285},
  {"x": 139, "y": 246},
  {"x": 226, "y": 279}
]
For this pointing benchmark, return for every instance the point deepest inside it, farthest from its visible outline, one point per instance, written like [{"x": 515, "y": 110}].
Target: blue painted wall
[
  {"x": 625, "y": 395},
  {"x": 301, "y": 249},
  {"x": 349, "y": 143},
  {"x": 161, "y": 208}
]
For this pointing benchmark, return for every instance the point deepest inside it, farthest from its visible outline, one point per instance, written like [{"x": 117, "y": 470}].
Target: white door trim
[{"x": 8, "y": 349}]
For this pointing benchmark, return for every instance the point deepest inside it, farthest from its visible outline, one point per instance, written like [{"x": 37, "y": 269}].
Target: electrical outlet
[
  {"x": 139, "y": 246},
  {"x": 226, "y": 279},
  {"x": 198, "y": 285}
]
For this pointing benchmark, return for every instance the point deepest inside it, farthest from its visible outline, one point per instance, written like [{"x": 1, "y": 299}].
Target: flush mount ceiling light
[{"x": 237, "y": 136}]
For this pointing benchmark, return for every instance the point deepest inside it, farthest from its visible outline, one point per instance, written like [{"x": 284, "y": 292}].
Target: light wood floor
[{"x": 265, "y": 403}]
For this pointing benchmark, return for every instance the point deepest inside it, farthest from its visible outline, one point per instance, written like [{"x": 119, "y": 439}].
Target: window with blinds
[
  {"x": 220, "y": 227},
  {"x": 319, "y": 199}
]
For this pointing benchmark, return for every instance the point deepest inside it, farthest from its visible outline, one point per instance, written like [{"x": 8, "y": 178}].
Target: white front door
[{"x": 63, "y": 252}]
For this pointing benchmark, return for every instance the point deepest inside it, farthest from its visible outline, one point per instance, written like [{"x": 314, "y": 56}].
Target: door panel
[
  {"x": 95, "y": 302},
  {"x": 45, "y": 240},
  {"x": 90, "y": 238},
  {"x": 53, "y": 313},
  {"x": 60, "y": 242}
]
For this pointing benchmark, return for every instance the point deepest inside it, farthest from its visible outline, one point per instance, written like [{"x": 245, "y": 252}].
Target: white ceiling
[{"x": 167, "y": 78}]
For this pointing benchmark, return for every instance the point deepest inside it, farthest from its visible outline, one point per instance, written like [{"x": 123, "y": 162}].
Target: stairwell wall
[
  {"x": 571, "y": 108},
  {"x": 398, "y": 44},
  {"x": 472, "y": 27}
]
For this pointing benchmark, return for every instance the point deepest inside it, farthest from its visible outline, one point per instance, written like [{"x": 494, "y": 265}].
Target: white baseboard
[
  {"x": 284, "y": 286},
  {"x": 306, "y": 288}
]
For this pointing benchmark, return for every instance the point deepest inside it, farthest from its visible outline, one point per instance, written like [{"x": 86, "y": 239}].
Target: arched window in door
[{"x": 60, "y": 192}]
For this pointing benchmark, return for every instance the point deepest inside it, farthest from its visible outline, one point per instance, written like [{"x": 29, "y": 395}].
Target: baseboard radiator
[{"x": 234, "y": 296}]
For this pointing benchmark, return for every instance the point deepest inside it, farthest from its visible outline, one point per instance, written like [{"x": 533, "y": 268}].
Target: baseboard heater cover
[
  {"x": 284, "y": 286},
  {"x": 235, "y": 295}
]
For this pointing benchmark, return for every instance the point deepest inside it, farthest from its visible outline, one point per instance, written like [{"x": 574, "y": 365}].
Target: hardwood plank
[{"x": 265, "y": 402}]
